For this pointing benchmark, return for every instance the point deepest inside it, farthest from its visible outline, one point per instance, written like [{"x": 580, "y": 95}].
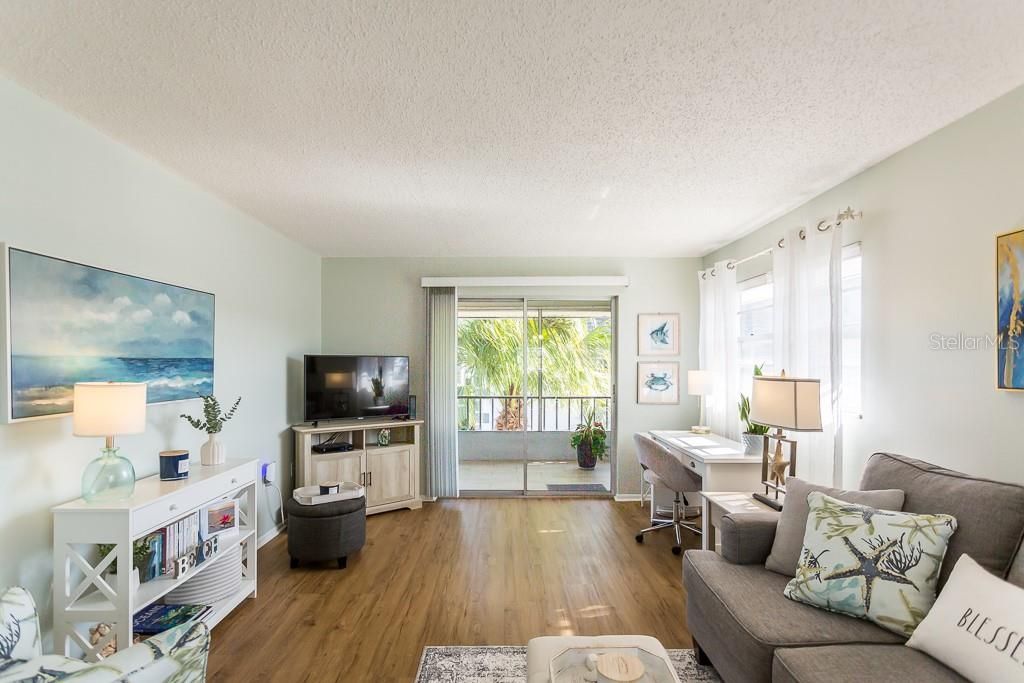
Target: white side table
[{"x": 716, "y": 505}]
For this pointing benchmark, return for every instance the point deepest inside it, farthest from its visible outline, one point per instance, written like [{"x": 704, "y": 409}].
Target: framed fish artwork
[
  {"x": 657, "y": 334},
  {"x": 1010, "y": 311},
  {"x": 657, "y": 382}
]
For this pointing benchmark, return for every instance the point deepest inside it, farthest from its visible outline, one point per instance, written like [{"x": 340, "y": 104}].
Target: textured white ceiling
[{"x": 503, "y": 127}]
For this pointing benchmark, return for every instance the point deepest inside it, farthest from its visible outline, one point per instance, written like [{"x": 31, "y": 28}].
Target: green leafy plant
[
  {"x": 593, "y": 432},
  {"x": 140, "y": 554},
  {"x": 213, "y": 417},
  {"x": 744, "y": 406},
  {"x": 377, "y": 383}
]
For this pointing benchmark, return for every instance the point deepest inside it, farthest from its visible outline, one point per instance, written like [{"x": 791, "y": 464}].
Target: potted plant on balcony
[
  {"x": 753, "y": 435},
  {"x": 590, "y": 441}
]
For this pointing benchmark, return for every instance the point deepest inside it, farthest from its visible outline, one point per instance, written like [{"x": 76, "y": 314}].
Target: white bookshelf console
[
  {"x": 85, "y": 593},
  {"x": 391, "y": 473}
]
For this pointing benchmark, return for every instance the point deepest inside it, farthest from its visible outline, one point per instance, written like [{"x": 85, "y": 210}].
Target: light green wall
[
  {"x": 376, "y": 305},
  {"x": 69, "y": 191},
  {"x": 931, "y": 214}
]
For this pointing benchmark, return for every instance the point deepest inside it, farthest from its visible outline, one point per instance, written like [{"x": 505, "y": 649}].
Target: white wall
[
  {"x": 376, "y": 305},
  {"x": 68, "y": 191},
  {"x": 931, "y": 214}
]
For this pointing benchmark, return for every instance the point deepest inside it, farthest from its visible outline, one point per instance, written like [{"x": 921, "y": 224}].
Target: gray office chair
[{"x": 662, "y": 468}]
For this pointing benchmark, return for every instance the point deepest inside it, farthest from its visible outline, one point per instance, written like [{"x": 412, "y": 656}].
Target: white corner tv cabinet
[
  {"x": 86, "y": 593},
  {"x": 391, "y": 473}
]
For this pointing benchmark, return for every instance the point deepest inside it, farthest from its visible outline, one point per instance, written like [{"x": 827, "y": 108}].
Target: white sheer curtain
[
  {"x": 442, "y": 393},
  {"x": 719, "y": 347},
  {"x": 808, "y": 339}
]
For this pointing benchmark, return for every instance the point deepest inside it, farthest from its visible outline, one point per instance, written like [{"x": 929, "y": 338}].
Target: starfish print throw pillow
[{"x": 878, "y": 565}]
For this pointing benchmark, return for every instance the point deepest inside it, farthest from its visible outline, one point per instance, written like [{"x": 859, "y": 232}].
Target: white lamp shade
[
  {"x": 109, "y": 408},
  {"x": 791, "y": 403},
  {"x": 698, "y": 382}
]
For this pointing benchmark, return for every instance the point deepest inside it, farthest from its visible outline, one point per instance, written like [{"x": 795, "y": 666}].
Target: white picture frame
[
  {"x": 657, "y": 382},
  {"x": 657, "y": 334}
]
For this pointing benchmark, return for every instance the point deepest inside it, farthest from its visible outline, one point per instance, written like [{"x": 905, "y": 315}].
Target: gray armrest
[{"x": 747, "y": 537}]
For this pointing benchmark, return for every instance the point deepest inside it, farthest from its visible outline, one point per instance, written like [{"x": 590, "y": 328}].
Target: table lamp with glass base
[
  {"x": 698, "y": 383},
  {"x": 109, "y": 409}
]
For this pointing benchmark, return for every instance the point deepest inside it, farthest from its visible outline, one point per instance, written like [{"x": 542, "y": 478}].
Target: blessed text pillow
[
  {"x": 879, "y": 565},
  {"x": 976, "y": 626}
]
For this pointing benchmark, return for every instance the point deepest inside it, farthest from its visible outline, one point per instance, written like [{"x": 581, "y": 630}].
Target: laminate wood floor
[{"x": 457, "y": 572}]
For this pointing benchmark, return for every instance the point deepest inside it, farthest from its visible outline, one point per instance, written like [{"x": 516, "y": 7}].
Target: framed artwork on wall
[
  {"x": 657, "y": 382},
  {"x": 68, "y": 322},
  {"x": 657, "y": 334},
  {"x": 1010, "y": 311}
]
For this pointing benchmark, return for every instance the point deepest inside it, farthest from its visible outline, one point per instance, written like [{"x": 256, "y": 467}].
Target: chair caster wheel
[
  {"x": 676, "y": 550},
  {"x": 639, "y": 538}
]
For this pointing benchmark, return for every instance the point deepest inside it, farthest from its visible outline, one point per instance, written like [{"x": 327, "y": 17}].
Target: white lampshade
[
  {"x": 109, "y": 408},
  {"x": 698, "y": 382},
  {"x": 791, "y": 403}
]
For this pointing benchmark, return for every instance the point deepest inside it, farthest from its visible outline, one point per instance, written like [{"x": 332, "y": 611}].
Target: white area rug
[{"x": 507, "y": 664}]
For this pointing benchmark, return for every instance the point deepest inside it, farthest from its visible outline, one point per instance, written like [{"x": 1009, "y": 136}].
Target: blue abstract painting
[
  {"x": 1010, "y": 310},
  {"x": 75, "y": 323}
]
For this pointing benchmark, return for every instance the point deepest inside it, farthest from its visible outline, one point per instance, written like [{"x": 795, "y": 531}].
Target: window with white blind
[
  {"x": 756, "y": 324},
  {"x": 851, "y": 399},
  {"x": 757, "y": 321}
]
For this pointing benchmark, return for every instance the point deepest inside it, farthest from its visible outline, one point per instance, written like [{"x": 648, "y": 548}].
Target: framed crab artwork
[{"x": 657, "y": 382}]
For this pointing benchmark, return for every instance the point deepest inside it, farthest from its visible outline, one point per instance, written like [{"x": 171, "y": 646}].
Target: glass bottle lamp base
[{"x": 108, "y": 478}]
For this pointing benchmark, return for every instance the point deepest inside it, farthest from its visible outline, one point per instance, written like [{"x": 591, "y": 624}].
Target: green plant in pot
[
  {"x": 377, "y": 385},
  {"x": 753, "y": 433},
  {"x": 590, "y": 441},
  {"x": 213, "y": 452}
]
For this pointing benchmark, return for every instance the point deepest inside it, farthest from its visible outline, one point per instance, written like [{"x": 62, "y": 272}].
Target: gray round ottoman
[{"x": 329, "y": 531}]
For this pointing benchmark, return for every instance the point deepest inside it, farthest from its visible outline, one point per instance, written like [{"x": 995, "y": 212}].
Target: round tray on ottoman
[{"x": 328, "y": 531}]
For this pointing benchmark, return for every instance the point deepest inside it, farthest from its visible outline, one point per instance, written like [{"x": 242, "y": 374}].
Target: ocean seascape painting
[
  {"x": 1009, "y": 313},
  {"x": 75, "y": 323}
]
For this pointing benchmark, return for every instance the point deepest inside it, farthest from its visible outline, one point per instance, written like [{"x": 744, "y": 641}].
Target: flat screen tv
[{"x": 346, "y": 387}]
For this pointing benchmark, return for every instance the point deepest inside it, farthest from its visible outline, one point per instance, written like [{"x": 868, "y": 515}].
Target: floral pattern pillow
[{"x": 878, "y": 565}]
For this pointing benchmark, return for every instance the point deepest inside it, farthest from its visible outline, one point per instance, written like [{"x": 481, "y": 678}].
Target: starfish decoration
[
  {"x": 867, "y": 514},
  {"x": 872, "y": 567},
  {"x": 777, "y": 466},
  {"x": 920, "y": 525}
]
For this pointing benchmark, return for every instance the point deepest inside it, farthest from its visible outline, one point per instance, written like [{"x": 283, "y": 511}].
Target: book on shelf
[{"x": 157, "y": 618}]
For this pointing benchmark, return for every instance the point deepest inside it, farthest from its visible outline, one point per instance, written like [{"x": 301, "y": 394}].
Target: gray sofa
[{"x": 741, "y": 622}]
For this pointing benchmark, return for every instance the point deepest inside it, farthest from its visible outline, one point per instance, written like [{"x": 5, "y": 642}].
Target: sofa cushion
[
  {"x": 858, "y": 663},
  {"x": 990, "y": 514},
  {"x": 738, "y": 615},
  {"x": 789, "y": 537},
  {"x": 872, "y": 564}
]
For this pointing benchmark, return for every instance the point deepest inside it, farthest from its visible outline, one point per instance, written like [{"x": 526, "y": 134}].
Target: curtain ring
[
  {"x": 803, "y": 234},
  {"x": 704, "y": 275},
  {"x": 781, "y": 243},
  {"x": 731, "y": 265},
  {"x": 713, "y": 273},
  {"x": 828, "y": 226}
]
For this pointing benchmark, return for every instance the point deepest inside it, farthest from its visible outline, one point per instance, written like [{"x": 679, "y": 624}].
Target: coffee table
[{"x": 540, "y": 651}]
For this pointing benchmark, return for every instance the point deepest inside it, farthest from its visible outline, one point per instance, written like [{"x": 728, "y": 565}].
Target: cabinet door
[
  {"x": 338, "y": 467},
  {"x": 390, "y": 471}
]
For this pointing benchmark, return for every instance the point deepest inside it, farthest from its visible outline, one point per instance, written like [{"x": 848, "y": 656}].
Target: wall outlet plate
[{"x": 269, "y": 472}]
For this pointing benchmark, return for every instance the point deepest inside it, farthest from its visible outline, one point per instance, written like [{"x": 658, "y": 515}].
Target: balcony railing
[{"x": 542, "y": 414}]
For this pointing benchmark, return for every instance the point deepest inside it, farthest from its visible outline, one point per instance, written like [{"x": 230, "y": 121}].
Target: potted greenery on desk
[
  {"x": 590, "y": 441},
  {"x": 753, "y": 435},
  {"x": 213, "y": 452}
]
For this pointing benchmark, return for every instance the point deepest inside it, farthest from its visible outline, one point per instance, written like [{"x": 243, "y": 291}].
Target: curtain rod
[{"x": 847, "y": 214}]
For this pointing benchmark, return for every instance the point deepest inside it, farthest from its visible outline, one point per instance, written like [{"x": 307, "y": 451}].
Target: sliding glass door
[{"x": 529, "y": 372}]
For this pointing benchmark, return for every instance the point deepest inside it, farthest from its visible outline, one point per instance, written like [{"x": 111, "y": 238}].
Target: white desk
[{"x": 719, "y": 462}]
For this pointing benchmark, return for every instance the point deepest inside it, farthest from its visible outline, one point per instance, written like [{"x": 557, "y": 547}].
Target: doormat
[{"x": 579, "y": 488}]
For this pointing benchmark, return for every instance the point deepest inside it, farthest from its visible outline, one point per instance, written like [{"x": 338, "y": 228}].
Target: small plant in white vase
[
  {"x": 753, "y": 434},
  {"x": 213, "y": 452}
]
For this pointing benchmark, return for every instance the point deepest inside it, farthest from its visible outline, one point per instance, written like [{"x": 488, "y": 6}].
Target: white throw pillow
[{"x": 976, "y": 626}]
